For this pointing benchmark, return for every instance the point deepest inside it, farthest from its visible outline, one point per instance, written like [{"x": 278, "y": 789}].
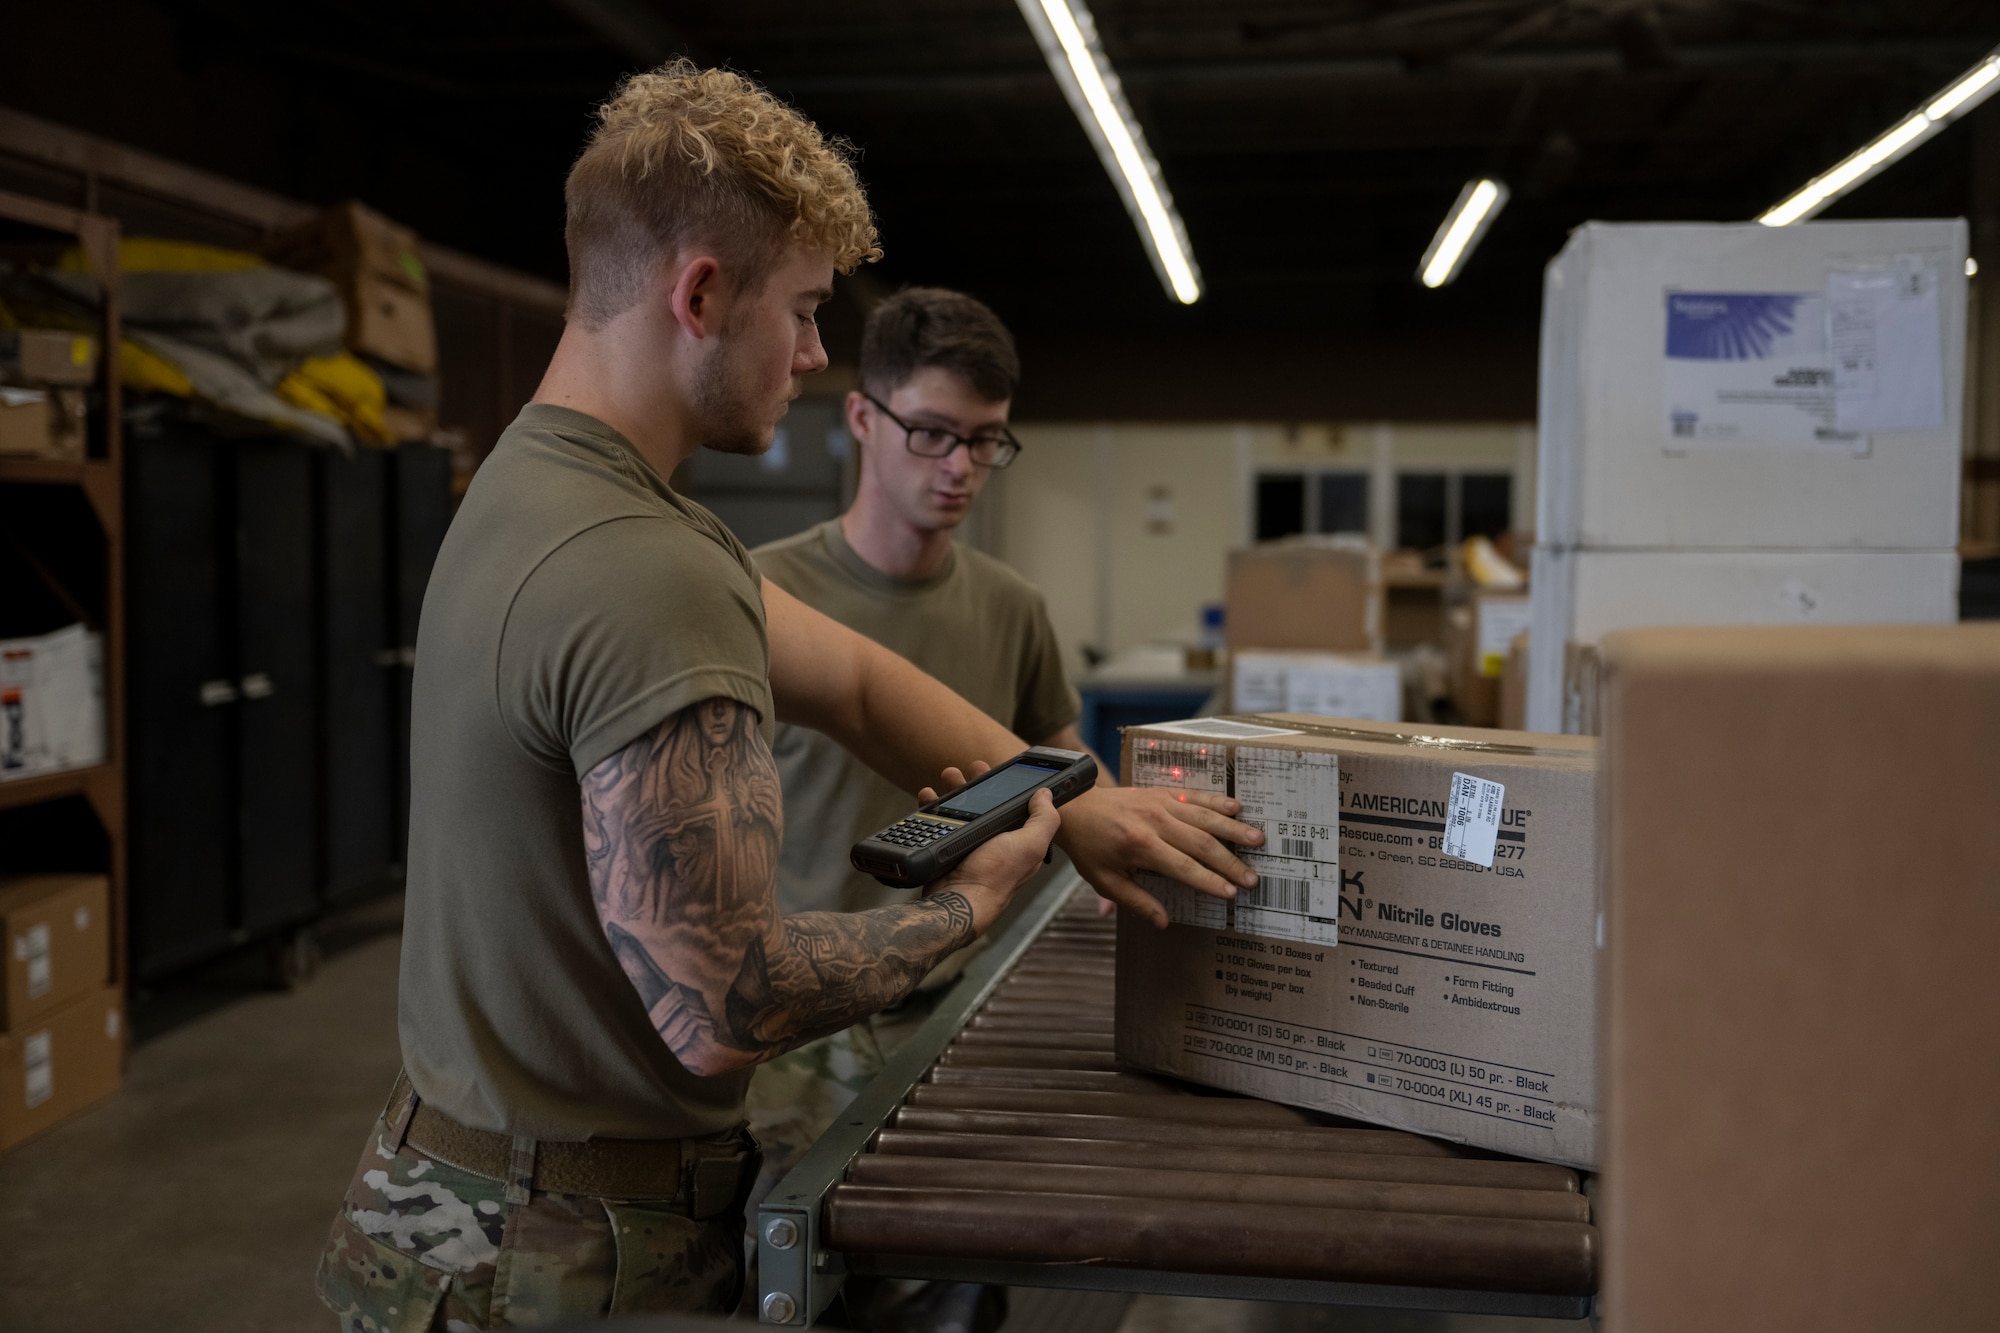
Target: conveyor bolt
[
  {"x": 782, "y": 1232},
  {"x": 779, "y": 1308}
]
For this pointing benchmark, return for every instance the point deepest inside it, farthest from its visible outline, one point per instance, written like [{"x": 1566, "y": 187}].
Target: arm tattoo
[{"x": 681, "y": 830}]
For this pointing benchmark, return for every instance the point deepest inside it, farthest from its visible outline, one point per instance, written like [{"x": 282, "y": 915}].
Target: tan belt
[{"x": 709, "y": 1172}]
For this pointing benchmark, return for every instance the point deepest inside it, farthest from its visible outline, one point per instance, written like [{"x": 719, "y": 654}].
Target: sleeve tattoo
[{"x": 681, "y": 829}]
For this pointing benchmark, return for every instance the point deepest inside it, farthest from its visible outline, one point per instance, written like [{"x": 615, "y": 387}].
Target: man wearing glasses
[{"x": 938, "y": 373}]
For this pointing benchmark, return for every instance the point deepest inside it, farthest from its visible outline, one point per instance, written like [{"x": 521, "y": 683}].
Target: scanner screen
[{"x": 996, "y": 788}]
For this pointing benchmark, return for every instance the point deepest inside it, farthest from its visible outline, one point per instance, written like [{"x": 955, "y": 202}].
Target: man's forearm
[
  {"x": 681, "y": 832},
  {"x": 904, "y": 724}
]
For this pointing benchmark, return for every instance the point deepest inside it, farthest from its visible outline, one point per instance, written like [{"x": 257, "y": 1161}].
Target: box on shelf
[
  {"x": 56, "y": 931},
  {"x": 1461, "y": 999},
  {"x": 43, "y": 423},
  {"x": 51, "y": 702},
  {"x": 39, "y": 357},
  {"x": 1316, "y": 593},
  {"x": 60, "y": 1063},
  {"x": 380, "y": 270},
  {"x": 1692, "y": 398},
  {"x": 1326, "y": 684},
  {"x": 1581, "y": 595},
  {"x": 1799, "y": 1014}
]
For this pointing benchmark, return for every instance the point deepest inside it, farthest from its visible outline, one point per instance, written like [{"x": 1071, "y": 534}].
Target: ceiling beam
[{"x": 1508, "y": 67}]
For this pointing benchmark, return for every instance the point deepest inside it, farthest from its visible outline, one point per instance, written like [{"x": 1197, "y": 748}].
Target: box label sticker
[
  {"x": 1472, "y": 822},
  {"x": 1500, "y": 619},
  {"x": 1294, "y": 796},
  {"x": 1749, "y": 368},
  {"x": 38, "y": 1055},
  {"x": 32, "y": 947},
  {"x": 1191, "y": 766}
]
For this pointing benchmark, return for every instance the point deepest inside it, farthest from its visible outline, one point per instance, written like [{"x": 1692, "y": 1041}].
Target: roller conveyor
[{"x": 1003, "y": 1143}]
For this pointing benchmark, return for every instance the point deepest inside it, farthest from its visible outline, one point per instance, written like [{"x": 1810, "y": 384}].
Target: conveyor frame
[{"x": 799, "y": 1276}]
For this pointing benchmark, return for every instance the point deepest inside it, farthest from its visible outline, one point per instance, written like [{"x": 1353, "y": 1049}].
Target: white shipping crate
[
  {"x": 1580, "y": 596},
  {"x": 1725, "y": 387},
  {"x": 51, "y": 702},
  {"x": 1325, "y": 684}
]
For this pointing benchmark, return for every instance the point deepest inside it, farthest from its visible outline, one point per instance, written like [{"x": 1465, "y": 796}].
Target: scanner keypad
[{"x": 914, "y": 832}]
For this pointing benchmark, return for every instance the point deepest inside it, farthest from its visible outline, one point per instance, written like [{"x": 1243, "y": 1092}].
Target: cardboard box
[
  {"x": 1317, "y": 593},
  {"x": 1369, "y": 974},
  {"x": 1580, "y": 596},
  {"x": 380, "y": 270},
  {"x": 1801, "y": 1031},
  {"x": 51, "y": 702},
  {"x": 348, "y": 238},
  {"x": 1324, "y": 684},
  {"x": 43, "y": 423},
  {"x": 56, "y": 931},
  {"x": 61, "y": 1063},
  {"x": 1636, "y": 445},
  {"x": 47, "y": 356},
  {"x": 1514, "y": 686},
  {"x": 388, "y": 320},
  {"x": 1479, "y": 636}
]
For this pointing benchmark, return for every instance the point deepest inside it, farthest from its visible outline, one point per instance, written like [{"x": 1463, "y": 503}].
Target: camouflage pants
[{"x": 420, "y": 1244}]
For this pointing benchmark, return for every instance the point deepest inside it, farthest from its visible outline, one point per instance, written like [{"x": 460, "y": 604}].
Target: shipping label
[
  {"x": 38, "y": 1058},
  {"x": 1294, "y": 797},
  {"x": 1472, "y": 822},
  {"x": 1190, "y": 765}
]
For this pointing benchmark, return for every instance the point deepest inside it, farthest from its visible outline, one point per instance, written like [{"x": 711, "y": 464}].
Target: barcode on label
[
  {"x": 1279, "y": 894},
  {"x": 1300, "y": 847}
]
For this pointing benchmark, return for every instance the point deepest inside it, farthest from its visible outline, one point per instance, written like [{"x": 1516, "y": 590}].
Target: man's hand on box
[{"x": 1111, "y": 833}]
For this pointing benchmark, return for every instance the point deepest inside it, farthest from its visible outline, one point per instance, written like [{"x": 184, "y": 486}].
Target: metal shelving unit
[{"x": 99, "y": 481}]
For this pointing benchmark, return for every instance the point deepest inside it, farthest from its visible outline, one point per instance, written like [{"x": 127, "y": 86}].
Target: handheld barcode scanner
[{"x": 924, "y": 847}]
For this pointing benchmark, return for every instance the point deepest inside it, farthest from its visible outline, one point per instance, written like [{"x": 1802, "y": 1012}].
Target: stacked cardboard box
[
  {"x": 1801, "y": 833},
  {"x": 43, "y": 373},
  {"x": 1478, "y": 638},
  {"x": 381, "y": 274},
  {"x": 1453, "y": 867},
  {"x": 1303, "y": 621},
  {"x": 1746, "y": 425},
  {"x": 51, "y": 702},
  {"x": 62, "y": 1033},
  {"x": 1326, "y": 684}
]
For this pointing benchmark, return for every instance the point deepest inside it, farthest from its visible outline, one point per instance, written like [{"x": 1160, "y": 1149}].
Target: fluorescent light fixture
[
  {"x": 1068, "y": 37},
  {"x": 1477, "y": 205},
  {"x": 1965, "y": 92}
]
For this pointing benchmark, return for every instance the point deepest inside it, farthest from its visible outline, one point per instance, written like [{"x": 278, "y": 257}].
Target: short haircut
[
  {"x": 686, "y": 155},
  {"x": 930, "y": 326}
]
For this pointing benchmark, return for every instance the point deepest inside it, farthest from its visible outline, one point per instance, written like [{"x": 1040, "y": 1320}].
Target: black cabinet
[
  {"x": 272, "y": 607},
  {"x": 276, "y": 675},
  {"x": 361, "y": 667},
  {"x": 181, "y": 683}
]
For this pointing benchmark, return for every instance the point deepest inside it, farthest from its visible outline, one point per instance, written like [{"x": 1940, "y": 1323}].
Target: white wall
[{"x": 1072, "y": 515}]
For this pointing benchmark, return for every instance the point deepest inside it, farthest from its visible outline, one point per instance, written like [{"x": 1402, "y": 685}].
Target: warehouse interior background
[{"x": 1316, "y": 388}]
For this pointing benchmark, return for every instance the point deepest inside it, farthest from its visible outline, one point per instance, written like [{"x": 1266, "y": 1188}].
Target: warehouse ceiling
[{"x": 1312, "y": 148}]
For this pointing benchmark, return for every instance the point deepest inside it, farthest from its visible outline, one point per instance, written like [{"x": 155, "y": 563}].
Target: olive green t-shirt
[
  {"x": 976, "y": 625},
  {"x": 577, "y": 603}
]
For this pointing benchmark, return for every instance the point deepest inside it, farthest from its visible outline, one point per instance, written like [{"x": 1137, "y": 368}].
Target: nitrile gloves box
[{"x": 1373, "y": 973}]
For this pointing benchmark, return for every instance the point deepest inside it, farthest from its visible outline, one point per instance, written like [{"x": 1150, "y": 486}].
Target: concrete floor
[{"x": 198, "y": 1197}]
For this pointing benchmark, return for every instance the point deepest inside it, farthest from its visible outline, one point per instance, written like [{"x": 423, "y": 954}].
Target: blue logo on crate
[{"x": 1728, "y": 326}]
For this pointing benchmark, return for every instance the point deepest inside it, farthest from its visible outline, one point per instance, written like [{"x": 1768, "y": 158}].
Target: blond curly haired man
[{"x": 594, "y": 958}]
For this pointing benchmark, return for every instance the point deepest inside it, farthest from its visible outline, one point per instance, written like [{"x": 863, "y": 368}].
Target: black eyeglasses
[{"x": 995, "y": 451}]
